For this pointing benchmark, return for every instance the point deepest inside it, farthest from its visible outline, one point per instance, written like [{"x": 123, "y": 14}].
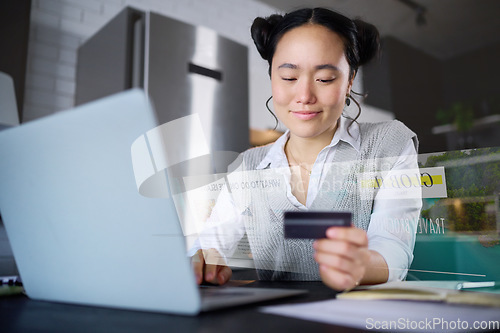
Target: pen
[{"x": 473, "y": 285}]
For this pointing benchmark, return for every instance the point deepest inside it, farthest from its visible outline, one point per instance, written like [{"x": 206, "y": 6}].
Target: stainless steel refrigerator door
[
  {"x": 192, "y": 69},
  {"x": 112, "y": 59}
]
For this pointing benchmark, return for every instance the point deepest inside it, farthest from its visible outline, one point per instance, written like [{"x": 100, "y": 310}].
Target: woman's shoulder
[
  {"x": 385, "y": 127},
  {"x": 253, "y": 156},
  {"x": 389, "y": 136},
  {"x": 255, "y": 151},
  {"x": 250, "y": 158}
]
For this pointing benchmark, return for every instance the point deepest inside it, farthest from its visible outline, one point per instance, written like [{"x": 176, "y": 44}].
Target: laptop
[{"x": 80, "y": 230}]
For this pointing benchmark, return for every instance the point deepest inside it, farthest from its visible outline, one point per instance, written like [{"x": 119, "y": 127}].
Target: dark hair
[{"x": 361, "y": 39}]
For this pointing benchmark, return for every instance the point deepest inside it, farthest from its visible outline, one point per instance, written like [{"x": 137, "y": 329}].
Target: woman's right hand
[{"x": 209, "y": 266}]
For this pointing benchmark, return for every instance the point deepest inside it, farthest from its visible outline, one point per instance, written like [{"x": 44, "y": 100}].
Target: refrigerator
[{"x": 185, "y": 70}]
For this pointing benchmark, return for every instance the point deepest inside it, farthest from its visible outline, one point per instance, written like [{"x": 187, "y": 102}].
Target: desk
[{"x": 20, "y": 314}]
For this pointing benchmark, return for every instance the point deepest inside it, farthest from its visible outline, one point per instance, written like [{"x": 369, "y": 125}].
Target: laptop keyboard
[{"x": 212, "y": 291}]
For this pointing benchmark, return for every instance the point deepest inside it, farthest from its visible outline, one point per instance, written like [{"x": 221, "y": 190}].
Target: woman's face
[{"x": 310, "y": 80}]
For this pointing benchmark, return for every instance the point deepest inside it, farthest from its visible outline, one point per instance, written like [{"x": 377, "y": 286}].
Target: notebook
[{"x": 80, "y": 230}]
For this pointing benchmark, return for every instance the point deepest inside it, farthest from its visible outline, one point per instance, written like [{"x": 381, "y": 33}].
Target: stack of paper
[{"x": 444, "y": 291}]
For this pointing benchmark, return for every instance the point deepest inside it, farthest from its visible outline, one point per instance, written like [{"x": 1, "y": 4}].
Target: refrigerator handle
[
  {"x": 137, "y": 69},
  {"x": 214, "y": 74}
]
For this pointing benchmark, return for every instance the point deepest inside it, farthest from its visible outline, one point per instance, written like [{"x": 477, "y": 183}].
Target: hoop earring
[
  {"x": 357, "y": 103},
  {"x": 272, "y": 113},
  {"x": 348, "y": 102}
]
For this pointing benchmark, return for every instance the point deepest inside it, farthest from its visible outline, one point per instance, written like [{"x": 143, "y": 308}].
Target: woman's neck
[{"x": 305, "y": 150}]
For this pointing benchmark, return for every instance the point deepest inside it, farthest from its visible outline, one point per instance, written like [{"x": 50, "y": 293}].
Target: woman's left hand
[{"x": 342, "y": 257}]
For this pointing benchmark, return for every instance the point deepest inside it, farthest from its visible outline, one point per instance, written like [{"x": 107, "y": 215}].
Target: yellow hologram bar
[{"x": 436, "y": 179}]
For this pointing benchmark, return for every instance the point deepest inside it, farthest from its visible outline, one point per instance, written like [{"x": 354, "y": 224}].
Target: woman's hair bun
[
  {"x": 368, "y": 41},
  {"x": 261, "y": 31}
]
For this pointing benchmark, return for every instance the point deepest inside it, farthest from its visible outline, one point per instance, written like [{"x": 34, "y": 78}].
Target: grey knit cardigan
[{"x": 277, "y": 258}]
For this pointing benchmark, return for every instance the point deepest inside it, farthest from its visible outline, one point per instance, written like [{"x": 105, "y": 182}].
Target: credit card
[{"x": 313, "y": 225}]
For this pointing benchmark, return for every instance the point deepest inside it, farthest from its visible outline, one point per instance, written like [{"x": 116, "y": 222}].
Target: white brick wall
[{"x": 58, "y": 27}]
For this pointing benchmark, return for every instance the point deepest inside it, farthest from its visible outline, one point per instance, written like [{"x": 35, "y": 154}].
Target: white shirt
[{"x": 391, "y": 241}]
